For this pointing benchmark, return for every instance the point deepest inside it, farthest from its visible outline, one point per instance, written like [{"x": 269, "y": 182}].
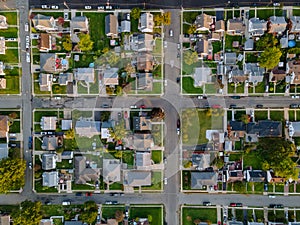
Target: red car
[
  {"x": 142, "y": 106},
  {"x": 216, "y": 106},
  {"x": 88, "y": 194}
]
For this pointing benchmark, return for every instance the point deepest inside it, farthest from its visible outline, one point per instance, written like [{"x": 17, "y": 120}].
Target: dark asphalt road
[{"x": 152, "y": 4}]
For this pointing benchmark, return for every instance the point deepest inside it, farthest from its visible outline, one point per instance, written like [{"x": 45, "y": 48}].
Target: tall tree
[
  {"x": 85, "y": 43},
  {"x": 135, "y": 13},
  {"x": 190, "y": 57},
  {"x": 276, "y": 154},
  {"x": 67, "y": 44},
  {"x": 29, "y": 213},
  {"x": 167, "y": 18},
  {"x": 266, "y": 41},
  {"x": 12, "y": 173},
  {"x": 90, "y": 212},
  {"x": 270, "y": 58},
  {"x": 119, "y": 132}
]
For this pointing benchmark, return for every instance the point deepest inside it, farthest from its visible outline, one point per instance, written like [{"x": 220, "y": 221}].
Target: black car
[
  {"x": 259, "y": 106},
  {"x": 293, "y": 106},
  {"x": 233, "y": 106},
  {"x": 178, "y": 123},
  {"x": 78, "y": 194},
  {"x": 206, "y": 203},
  {"x": 275, "y": 206},
  {"x": 236, "y": 97}
]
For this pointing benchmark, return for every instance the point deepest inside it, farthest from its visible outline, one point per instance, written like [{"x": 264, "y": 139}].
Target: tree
[
  {"x": 188, "y": 164},
  {"x": 135, "y": 13},
  {"x": 158, "y": 19},
  {"x": 270, "y": 58},
  {"x": 157, "y": 113},
  {"x": 104, "y": 116},
  {"x": 119, "y": 131},
  {"x": 218, "y": 162},
  {"x": 197, "y": 221},
  {"x": 85, "y": 43},
  {"x": 90, "y": 212},
  {"x": 61, "y": 20},
  {"x": 119, "y": 91},
  {"x": 190, "y": 57},
  {"x": 13, "y": 115},
  {"x": 119, "y": 216},
  {"x": 150, "y": 218},
  {"x": 12, "y": 174},
  {"x": 109, "y": 57},
  {"x": 118, "y": 154},
  {"x": 129, "y": 69},
  {"x": 266, "y": 41},
  {"x": 276, "y": 154},
  {"x": 245, "y": 118},
  {"x": 192, "y": 29},
  {"x": 167, "y": 18},
  {"x": 67, "y": 44},
  {"x": 29, "y": 213},
  {"x": 70, "y": 134}
]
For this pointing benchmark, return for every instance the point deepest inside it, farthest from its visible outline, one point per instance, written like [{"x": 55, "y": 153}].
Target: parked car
[
  {"x": 216, "y": 106},
  {"x": 272, "y": 196},
  {"x": 45, "y": 7},
  {"x": 27, "y": 57},
  {"x": 166, "y": 181},
  {"x": 30, "y": 165},
  {"x": 178, "y": 123},
  {"x": 128, "y": 16},
  {"x": 108, "y": 202},
  {"x": 293, "y": 106},
  {"x": 35, "y": 36},
  {"x": 43, "y": 133},
  {"x": 87, "y": 7},
  {"x": 259, "y": 106},
  {"x": 232, "y": 204},
  {"x": 12, "y": 134},
  {"x": 232, "y": 106},
  {"x": 26, "y": 27},
  {"x": 115, "y": 202},
  {"x": 101, "y": 7},
  {"x": 178, "y": 131},
  {"x": 171, "y": 33},
  {"x": 12, "y": 145},
  {"x": 78, "y": 194},
  {"x": 108, "y": 7},
  {"x": 206, "y": 203},
  {"x": 66, "y": 203},
  {"x": 178, "y": 46},
  {"x": 66, "y": 15},
  {"x": 54, "y": 7},
  {"x": 88, "y": 194}
]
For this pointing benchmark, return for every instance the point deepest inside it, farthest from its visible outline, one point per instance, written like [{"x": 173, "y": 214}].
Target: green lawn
[
  {"x": 252, "y": 159},
  {"x": 64, "y": 164},
  {"x": 134, "y": 24},
  {"x": 156, "y": 132},
  {"x": 85, "y": 143},
  {"x": 97, "y": 30},
  {"x": 188, "y": 86},
  {"x": 82, "y": 187},
  {"x": 11, "y": 17},
  {"x": 12, "y": 85},
  {"x": 231, "y": 38},
  {"x": 84, "y": 60},
  {"x": 11, "y": 32},
  {"x": 39, "y": 114},
  {"x": 251, "y": 58},
  {"x": 143, "y": 212},
  {"x": 296, "y": 12},
  {"x": 38, "y": 91},
  {"x": 189, "y": 214},
  {"x": 11, "y": 56},
  {"x": 265, "y": 13},
  {"x": 291, "y": 115},
  {"x": 210, "y": 89},
  {"x": 276, "y": 115},
  {"x": 81, "y": 89},
  {"x": 76, "y": 114},
  {"x": 59, "y": 89},
  {"x": 109, "y": 211},
  {"x": 279, "y": 187},
  {"x": 40, "y": 189},
  {"x": 260, "y": 87},
  {"x": 189, "y": 69},
  {"x": 116, "y": 186},
  {"x": 240, "y": 88},
  {"x": 156, "y": 156},
  {"x": 260, "y": 115},
  {"x": 128, "y": 157},
  {"x": 235, "y": 156},
  {"x": 158, "y": 46},
  {"x": 11, "y": 44},
  {"x": 230, "y": 88},
  {"x": 217, "y": 46},
  {"x": 15, "y": 127}
]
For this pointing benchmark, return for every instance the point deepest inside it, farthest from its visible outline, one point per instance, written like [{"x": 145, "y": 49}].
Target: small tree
[
  {"x": 150, "y": 218},
  {"x": 167, "y": 18},
  {"x": 135, "y": 13},
  {"x": 85, "y": 43},
  {"x": 190, "y": 57},
  {"x": 197, "y": 221},
  {"x": 61, "y": 20},
  {"x": 67, "y": 44},
  {"x": 70, "y": 134}
]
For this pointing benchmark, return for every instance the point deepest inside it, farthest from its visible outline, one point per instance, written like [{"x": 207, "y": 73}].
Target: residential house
[
  {"x": 2, "y": 83},
  {"x": 50, "y": 143},
  {"x": 276, "y": 179},
  {"x": 249, "y": 45},
  {"x": 68, "y": 155},
  {"x": 236, "y": 129},
  {"x": 65, "y": 78},
  {"x": 295, "y": 24},
  {"x": 203, "y": 178},
  {"x": 84, "y": 172},
  {"x": 146, "y": 23},
  {"x": 78, "y": 24},
  {"x": 48, "y": 62},
  {"x": 144, "y": 81},
  {"x": 145, "y": 42},
  {"x": 45, "y": 44},
  {"x": 111, "y": 77},
  {"x": 255, "y": 73},
  {"x": 220, "y": 26},
  {"x": 111, "y": 26},
  {"x": 142, "y": 142},
  {"x": 2, "y": 67},
  {"x": 106, "y": 127},
  {"x": 235, "y": 74},
  {"x": 125, "y": 26},
  {"x": 294, "y": 129},
  {"x": 203, "y": 48},
  {"x": 203, "y": 22},
  {"x": 235, "y": 175},
  {"x": 235, "y": 26},
  {"x": 5, "y": 220},
  {"x": 44, "y": 23},
  {"x": 265, "y": 128},
  {"x": 85, "y": 74},
  {"x": 277, "y": 74},
  {"x": 136, "y": 178},
  {"x": 201, "y": 76},
  {"x": 257, "y": 27},
  {"x": 111, "y": 170},
  {"x": 257, "y": 176},
  {"x": 276, "y": 24},
  {"x": 143, "y": 160},
  {"x": 145, "y": 61},
  {"x": 3, "y": 151},
  {"x": 201, "y": 161},
  {"x": 85, "y": 127},
  {"x": 141, "y": 123},
  {"x": 50, "y": 179},
  {"x": 49, "y": 161},
  {"x": 3, "y": 23},
  {"x": 230, "y": 58},
  {"x": 48, "y": 122},
  {"x": 2, "y": 46},
  {"x": 293, "y": 69},
  {"x": 66, "y": 124},
  {"x": 4, "y": 128},
  {"x": 45, "y": 82}
]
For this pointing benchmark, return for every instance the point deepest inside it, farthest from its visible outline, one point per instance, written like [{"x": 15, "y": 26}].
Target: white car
[
  {"x": 26, "y": 27},
  {"x": 165, "y": 44},
  {"x": 27, "y": 57},
  {"x": 272, "y": 196},
  {"x": 178, "y": 131},
  {"x": 108, "y": 7},
  {"x": 30, "y": 165},
  {"x": 171, "y": 33},
  {"x": 101, "y": 7},
  {"x": 166, "y": 181},
  {"x": 45, "y": 7},
  {"x": 54, "y": 7},
  {"x": 128, "y": 16},
  {"x": 27, "y": 39},
  {"x": 87, "y": 7}
]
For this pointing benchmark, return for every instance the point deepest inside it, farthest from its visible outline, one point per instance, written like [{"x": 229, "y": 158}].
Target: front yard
[
  {"x": 155, "y": 211},
  {"x": 190, "y": 214}
]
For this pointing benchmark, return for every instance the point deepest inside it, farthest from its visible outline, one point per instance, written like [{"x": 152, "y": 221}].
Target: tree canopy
[
  {"x": 12, "y": 174},
  {"x": 29, "y": 213},
  {"x": 266, "y": 41},
  {"x": 109, "y": 57},
  {"x": 135, "y": 13},
  {"x": 270, "y": 58},
  {"x": 67, "y": 44},
  {"x": 119, "y": 132},
  {"x": 190, "y": 57},
  {"x": 90, "y": 212},
  {"x": 276, "y": 154},
  {"x": 85, "y": 43}
]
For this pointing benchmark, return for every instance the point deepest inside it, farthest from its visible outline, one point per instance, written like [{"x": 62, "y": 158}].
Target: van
[{"x": 66, "y": 203}]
